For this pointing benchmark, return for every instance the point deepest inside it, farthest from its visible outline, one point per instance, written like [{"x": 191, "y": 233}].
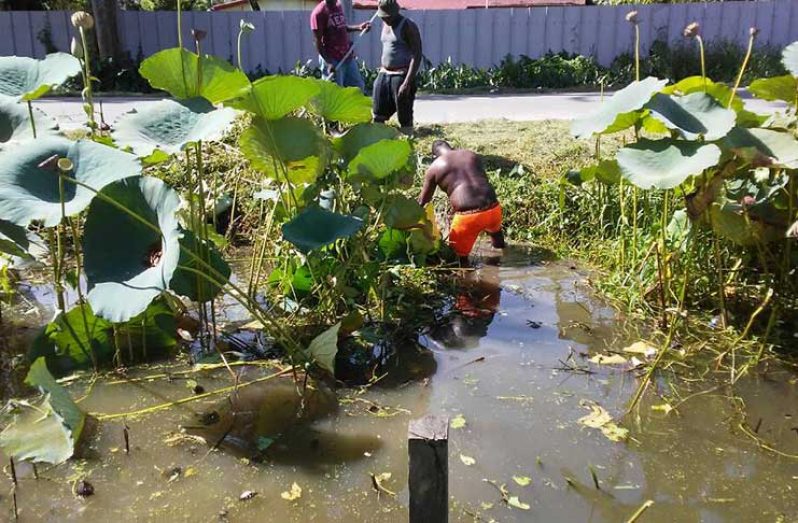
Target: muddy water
[{"x": 500, "y": 365}]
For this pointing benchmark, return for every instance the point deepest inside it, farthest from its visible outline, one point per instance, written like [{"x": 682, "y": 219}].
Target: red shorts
[{"x": 466, "y": 228}]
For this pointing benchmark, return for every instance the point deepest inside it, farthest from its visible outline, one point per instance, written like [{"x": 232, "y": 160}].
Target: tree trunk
[{"x": 106, "y": 29}]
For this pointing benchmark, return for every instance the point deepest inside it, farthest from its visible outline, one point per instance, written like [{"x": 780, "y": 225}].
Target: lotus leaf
[
  {"x": 29, "y": 79},
  {"x": 29, "y": 192},
  {"x": 324, "y": 347},
  {"x": 13, "y": 239},
  {"x": 380, "y": 159},
  {"x": 190, "y": 284},
  {"x": 341, "y": 104},
  {"x": 763, "y": 147},
  {"x": 15, "y": 121},
  {"x": 678, "y": 229},
  {"x": 695, "y": 115},
  {"x": 363, "y": 135},
  {"x": 273, "y": 97},
  {"x": 619, "y": 112},
  {"x": 790, "y": 58},
  {"x": 315, "y": 227},
  {"x": 729, "y": 221},
  {"x": 720, "y": 92},
  {"x": 129, "y": 263},
  {"x": 665, "y": 164},
  {"x": 393, "y": 244},
  {"x": 177, "y": 72},
  {"x": 292, "y": 280},
  {"x": 606, "y": 172},
  {"x": 170, "y": 125},
  {"x": 401, "y": 212},
  {"x": 776, "y": 88},
  {"x": 293, "y": 142}
]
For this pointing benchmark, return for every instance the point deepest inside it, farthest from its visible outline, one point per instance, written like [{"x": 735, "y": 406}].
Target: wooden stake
[
  {"x": 13, "y": 471},
  {"x": 126, "y": 434},
  {"x": 428, "y": 478}
]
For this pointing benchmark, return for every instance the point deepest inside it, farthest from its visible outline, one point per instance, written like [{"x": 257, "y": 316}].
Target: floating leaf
[
  {"x": 15, "y": 122},
  {"x": 360, "y": 136},
  {"x": 777, "y": 88},
  {"x": 619, "y": 112},
  {"x": 129, "y": 263},
  {"x": 642, "y": 348},
  {"x": 401, "y": 212},
  {"x": 695, "y": 115},
  {"x": 790, "y": 58},
  {"x": 324, "y": 347},
  {"x": 485, "y": 505},
  {"x": 29, "y": 192},
  {"x": 458, "y": 422},
  {"x": 29, "y": 79},
  {"x": 175, "y": 71},
  {"x": 273, "y": 97},
  {"x": 381, "y": 159},
  {"x": 468, "y": 461},
  {"x": 608, "y": 359},
  {"x": 294, "y": 494},
  {"x": 292, "y": 142},
  {"x": 169, "y": 125},
  {"x": 315, "y": 227},
  {"x": 665, "y": 164},
  {"x": 186, "y": 282},
  {"x": 600, "y": 419},
  {"x": 340, "y": 104},
  {"x": 665, "y": 407},
  {"x": 523, "y": 481},
  {"x": 763, "y": 147},
  {"x": 513, "y": 501}
]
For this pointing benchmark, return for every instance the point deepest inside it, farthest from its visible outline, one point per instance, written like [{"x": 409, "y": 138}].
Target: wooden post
[
  {"x": 106, "y": 29},
  {"x": 428, "y": 477}
]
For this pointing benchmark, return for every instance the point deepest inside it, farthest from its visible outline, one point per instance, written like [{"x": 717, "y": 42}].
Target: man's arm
[
  {"x": 430, "y": 184},
  {"x": 412, "y": 36},
  {"x": 319, "y": 45},
  {"x": 365, "y": 26}
]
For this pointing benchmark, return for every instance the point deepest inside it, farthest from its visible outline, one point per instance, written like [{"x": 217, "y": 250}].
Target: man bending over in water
[{"x": 460, "y": 173}]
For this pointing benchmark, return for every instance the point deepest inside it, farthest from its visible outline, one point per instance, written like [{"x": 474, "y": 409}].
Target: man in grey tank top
[{"x": 395, "y": 86}]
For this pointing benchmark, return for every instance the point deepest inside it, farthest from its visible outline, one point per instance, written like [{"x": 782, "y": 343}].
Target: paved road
[{"x": 429, "y": 108}]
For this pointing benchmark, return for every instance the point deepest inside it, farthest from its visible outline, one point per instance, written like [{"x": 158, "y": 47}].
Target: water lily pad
[
  {"x": 129, "y": 263},
  {"x": 169, "y": 125},
  {"x": 15, "y": 122},
  {"x": 665, "y": 164},
  {"x": 315, "y": 227},
  {"x": 176, "y": 71},
  {"x": 776, "y": 88},
  {"x": 350, "y": 143},
  {"x": 763, "y": 147},
  {"x": 28, "y": 79},
  {"x": 380, "y": 159},
  {"x": 695, "y": 115},
  {"x": 293, "y": 142},
  {"x": 341, "y": 104},
  {"x": 790, "y": 58},
  {"x": 273, "y": 97},
  {"x": 188, "y": 283},
  {"x": 29, "y": 192},
  {"x": 619, "y": 112},
  {"x": 324, "y": 347}
]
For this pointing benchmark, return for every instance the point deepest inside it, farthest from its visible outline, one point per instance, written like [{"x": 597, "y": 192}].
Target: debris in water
[
  {"x": 84, "y": 489},
  {"x": 523, "y": 481},
  {"x": 467, "y": 460},
  {"x": 533, "y": 324},
  {"x": 513, "y": 501},
  {"x": 608, "y": 359},
  {"x": 600, "y": 419},
  {"x": 294, "y": 494},
  {"x": 641, "y": 348},
  {"x": 249, "y": 494},
  {"x": 378, "y": 483},
  {"x": 458, "y": 422},
  {"x": 486, "y": 506}
]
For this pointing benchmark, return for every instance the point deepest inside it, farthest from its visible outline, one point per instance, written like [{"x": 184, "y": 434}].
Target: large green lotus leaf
[
  {"x": 606, "y": 172},
  {"x": 776, "y": 88},
  {"x": 763, "y": 147},
  {"x": 720, "y": 92},
  {"x": 790, "y": 58},
  {"x": 401, "y": 212},
  {"x": 614, "y": 114},
  {"x": 48, "y": 432},
  {"x": 380, "y": 159},
  {"x": 176, "y": 72},
  {"x": 678, "y": 229},
  {"x": 316, "y": 227},
  {"x": 695, "y": 115},
  {"x": 129, "y": 263},
  {"x": 29, "y": 192},
  {"x": 29, "y": 79},
  {"x": 187, "y": 282},
  {"x": 13, "y": 239},
  {"x": 729, "y": 221},
  {"x": 324, "y": 347},
  {"x": 169, "y": 125},
  {"x": 273, "y": 97},
  {"x": 294, "y": 142},
  {"x": 15, "y": 122},
  {"x": 665, "y": 164},
  {"x": 360, "y": 136},
  {"x": 393, "y": 244},
  {"x": 341, "y": 104}
]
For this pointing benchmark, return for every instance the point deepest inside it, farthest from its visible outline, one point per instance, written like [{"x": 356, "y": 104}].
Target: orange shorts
[{"x": 467, "y": 226}]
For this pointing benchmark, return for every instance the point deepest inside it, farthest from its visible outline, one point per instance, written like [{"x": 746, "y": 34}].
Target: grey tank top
[{"x": 396, "y": 54}]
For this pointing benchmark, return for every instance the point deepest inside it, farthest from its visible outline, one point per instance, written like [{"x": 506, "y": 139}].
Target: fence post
[{"x": 428, "y": 477}]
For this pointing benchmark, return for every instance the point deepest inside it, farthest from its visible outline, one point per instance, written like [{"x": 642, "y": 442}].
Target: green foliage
[
  {"x": 195, "y": 257},
  {"x": 347, "y": 105},
  {"x": 15, "y": 122},
  {"x": 316, "y": 227},
  {"x": 29, "y": 79},
  {"x": 665, "y": 164},
  {"x": 324, "y": 347}
]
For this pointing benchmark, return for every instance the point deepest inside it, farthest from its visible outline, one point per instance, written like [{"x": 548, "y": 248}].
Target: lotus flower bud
[
  {"x": 753, "y": 31},
  {"x": 692, "y": 30},
  {"x": 246, "y": 27},
  {"x": 82, "y": 20},
  {"x": 198, "y": 34},
  {"x": 65, "y": 165},
  {"x": 631, "y": 17},
  {"x": 76, "y": 48}
]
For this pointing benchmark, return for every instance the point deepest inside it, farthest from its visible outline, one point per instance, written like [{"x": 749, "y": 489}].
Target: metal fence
[{"x": 478, "y": 37}]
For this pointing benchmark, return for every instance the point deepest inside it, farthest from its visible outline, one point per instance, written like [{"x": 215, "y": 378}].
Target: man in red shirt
[{"x": 331, "y": 33}]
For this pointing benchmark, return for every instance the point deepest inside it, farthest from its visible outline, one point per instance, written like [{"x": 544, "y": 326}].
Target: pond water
[{"x": 500, "y": 363}]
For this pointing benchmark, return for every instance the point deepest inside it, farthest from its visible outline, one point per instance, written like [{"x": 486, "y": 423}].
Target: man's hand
[
  {"x": 330, "y": 69},
  {"x": 404, "y": 90},
  {"x": 365, "y": 26}
]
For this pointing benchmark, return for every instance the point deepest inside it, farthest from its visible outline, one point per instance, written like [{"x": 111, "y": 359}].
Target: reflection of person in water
[{"x": 474, "y": 308}]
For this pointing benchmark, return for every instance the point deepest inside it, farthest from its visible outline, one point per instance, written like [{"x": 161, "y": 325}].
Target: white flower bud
[{"x": 82, "y": 20}]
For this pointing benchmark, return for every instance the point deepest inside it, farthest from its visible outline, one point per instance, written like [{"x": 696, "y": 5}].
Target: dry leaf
[
  {"x": 608, "y": 359},
  {"x": 458, "y": 422},
  {"x": 486, "y": 506},
  {"x": 665, "y": 407},
  {"x": 294, "y": 494},
  {"x": 600, "y": 419},
  {"x": 467, "y": 460},
  {"x": 522, "y": 480},
  {"x": 642, "y": 348},
  {"x": 513, "y": 501}
]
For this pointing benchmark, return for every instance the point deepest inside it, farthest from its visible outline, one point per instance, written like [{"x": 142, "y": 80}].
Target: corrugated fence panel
[{"x": 478, "y": 37}]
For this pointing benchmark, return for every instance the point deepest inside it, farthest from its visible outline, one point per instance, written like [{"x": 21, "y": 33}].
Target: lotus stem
[
  {"x": 637, "y": 52},
  {"x": 238, "y": 48},
  {"x": 32, "y": 121},
  {"x": 742, "y": 68},
  {"x": 703, "y": 60},
  {"x": 87, "y": 88},
  {"x": 180, "y": 25}
]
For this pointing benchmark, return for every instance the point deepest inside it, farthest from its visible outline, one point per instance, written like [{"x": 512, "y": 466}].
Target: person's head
[
  {"x": 330, "y": 3},
  {"x": 439, "y": 147},
  {"x": 388, "y": 11}
]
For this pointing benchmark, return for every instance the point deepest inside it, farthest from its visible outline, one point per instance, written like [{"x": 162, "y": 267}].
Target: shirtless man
[{"x": 460, "y": 173}]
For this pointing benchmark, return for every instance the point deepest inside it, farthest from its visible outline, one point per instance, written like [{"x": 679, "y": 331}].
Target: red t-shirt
[{"x": 332, "y": 24}]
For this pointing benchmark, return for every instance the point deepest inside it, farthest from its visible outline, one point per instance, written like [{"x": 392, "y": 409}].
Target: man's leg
[
  {"x": 497, "y": 239},
  {"x": 352, "y": 76},
  {"x": 462, "y": 236},
  {"x": 383, "y": 105},
  {"x": 404, "y": 108}
]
